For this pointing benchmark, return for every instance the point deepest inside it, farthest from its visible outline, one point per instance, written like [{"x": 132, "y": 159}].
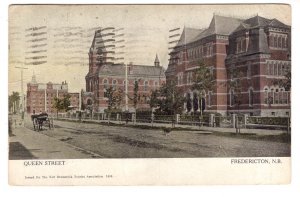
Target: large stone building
[
  {"x": 258, "y": 48},
  {"x": 103, "y": 73},
  {"x": 40, "y": 96}
]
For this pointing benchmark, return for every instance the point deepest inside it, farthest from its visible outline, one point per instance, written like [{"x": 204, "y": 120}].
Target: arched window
[
  {"x": 250, "y": 96},
  {"x": 146, "y": 86},
  {"x": 105, "y": 83},
  {"x": 114, "y": 84},
  {"x": 156, "y": 84}
]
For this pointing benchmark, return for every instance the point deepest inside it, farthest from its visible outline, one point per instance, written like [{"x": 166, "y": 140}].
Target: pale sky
[{"x": 70, "y": 31}]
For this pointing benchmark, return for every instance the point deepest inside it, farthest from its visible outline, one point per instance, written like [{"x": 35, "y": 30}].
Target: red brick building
[
  {"x": 40, "y": 96},
  {"x": 228, "y": 43},
  {"x": 103, "y": 73},
  {"x": 260, "y": 50}
]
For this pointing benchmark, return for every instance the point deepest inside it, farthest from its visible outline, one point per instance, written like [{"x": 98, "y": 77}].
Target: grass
[{"x": 283, "y": 138}]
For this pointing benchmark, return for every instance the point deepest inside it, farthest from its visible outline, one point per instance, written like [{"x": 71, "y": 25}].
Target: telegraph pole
[
  {"x": 22, "y": 91},
  {"x": 126, "y": 88}
]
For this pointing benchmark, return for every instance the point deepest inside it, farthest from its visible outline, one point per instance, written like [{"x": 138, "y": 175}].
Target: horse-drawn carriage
[{"x": 40, "y": 120}]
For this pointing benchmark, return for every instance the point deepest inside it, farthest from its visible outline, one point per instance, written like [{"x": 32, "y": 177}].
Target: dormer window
[{"x": 240, "y": 45}]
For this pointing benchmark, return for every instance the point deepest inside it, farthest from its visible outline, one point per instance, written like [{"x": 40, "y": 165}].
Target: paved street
[{"x": 82, "y": 140}]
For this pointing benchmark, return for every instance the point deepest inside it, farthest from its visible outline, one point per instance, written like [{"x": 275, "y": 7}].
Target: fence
[{"x": 209, "y": 120}]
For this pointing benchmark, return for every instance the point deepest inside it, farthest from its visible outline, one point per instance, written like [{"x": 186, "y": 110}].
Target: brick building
[
  {"x": 259, "y": 49},
  {"x": 252, "y": 46},
  {"x": 40, "y": 96},
  {"x": 103, "y": 73}
]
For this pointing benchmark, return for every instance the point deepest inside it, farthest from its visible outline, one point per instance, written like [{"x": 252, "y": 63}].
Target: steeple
[
  {"x": 33, "y": 79},
  {"x": 156, "y": 61}
]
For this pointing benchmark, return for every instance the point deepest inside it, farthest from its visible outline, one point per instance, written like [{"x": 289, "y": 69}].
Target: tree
[
  {"x": 13, "y": 101},
  {"x": 168, "y": 99},
  {"x": 136, "y": 96},
  {"x": 114, "y": 98},
  {"x": 203, "y": 80},
  {"x": 235, "y": 85},
  {"x": 62, "y": 104}
]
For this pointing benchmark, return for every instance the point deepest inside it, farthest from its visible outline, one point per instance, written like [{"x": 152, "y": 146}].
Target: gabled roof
[
  {"x": 188, "y": 34},
  {"x": 258, "y": 21},
  {"x": 277, "y": 23},
  {"x": 220, "y": 25}
]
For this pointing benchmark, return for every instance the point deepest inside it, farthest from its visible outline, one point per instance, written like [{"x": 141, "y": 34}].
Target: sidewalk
[
  {"x": 29, "y": 144},
  {"x": 188, "y": 127}
]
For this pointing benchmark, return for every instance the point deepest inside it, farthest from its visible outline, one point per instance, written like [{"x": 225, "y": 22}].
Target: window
[
  {"x": 146, "y": 86},
  {"x": 251, "y": 97},
  {"x": 124, "y": 84},
  {"x": 105, "y": 83},
  {"x": 278, "y": 40},
  {"x": 266, "y": 95},
  {"x": 231, "y": 97},
  {"x": 156, "y": 84},
  {"x": 180, "y": 78},
  {"x": 240, "y": 45},
  {"x": 249, "y": 70},
  {"x": 209, "y": 98},
  {"x": 114, "y": 83}
]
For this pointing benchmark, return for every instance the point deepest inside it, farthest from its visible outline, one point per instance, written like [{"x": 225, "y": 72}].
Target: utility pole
[
  {"x": 22, "y": 91},
  {"x": 126, "y": 88}
]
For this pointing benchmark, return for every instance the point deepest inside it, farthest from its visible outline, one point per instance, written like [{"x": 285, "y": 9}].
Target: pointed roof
[
  {"x": 276, "y": 23},
  {"x": 188, "y": 34},
  {"x": 98, "y": 42},
  {"x": 33, "y": 79},
  {"x": 156, "y": 59},
  {"x": 221, "y": 25},
  {"x": 258, "y": 21}
]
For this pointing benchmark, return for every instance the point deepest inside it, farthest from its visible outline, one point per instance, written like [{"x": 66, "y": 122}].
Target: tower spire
[{"x": 156, "y": 61}]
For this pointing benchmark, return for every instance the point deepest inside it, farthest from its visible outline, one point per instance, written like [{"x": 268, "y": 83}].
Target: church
[{"x": 104, "y": 73}]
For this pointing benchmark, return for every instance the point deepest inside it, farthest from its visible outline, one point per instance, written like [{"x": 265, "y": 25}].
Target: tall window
[
  {"x": 231, "y": 97},
  {"x": 249, "y": 70},
  {"x": 114, "y": 83},
  {"x": 209, "y": 98},
  {"x": 251, "y": 97},
  {"x": 124, "y": 84},
  {"x": 105, "y": 83},
  {"x": 146, "y": 86}
]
